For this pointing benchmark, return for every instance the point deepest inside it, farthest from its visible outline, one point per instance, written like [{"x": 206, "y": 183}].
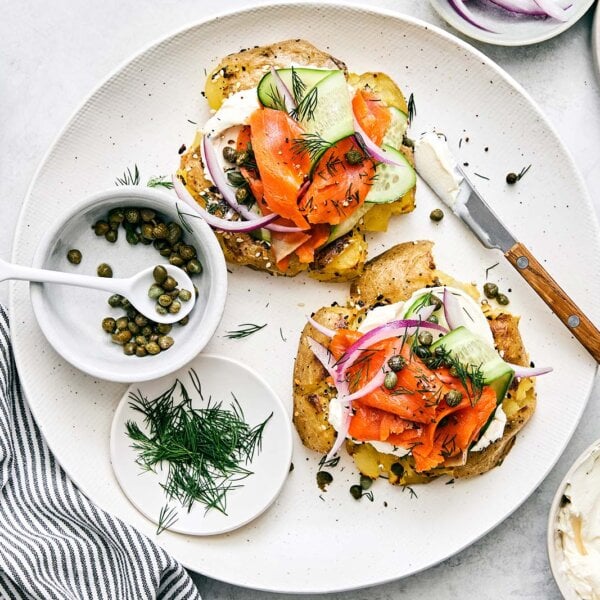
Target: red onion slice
[
  {"x": 321, "y": 328},
  {"x": 452, "y": 310},
  {"x": 326, "y": 359},
  {"x": 217, "y": 222},
  {"x": 377, "y": 153},
  {"x": 529, "y": 371},
  {"x": 468, "y": 16},
  {"x": 399, "y": 328},
  {"x": 288, "y": 99},
  {"x": 425, "y": 312},
  {"x": 376, "y": 382},
  {"x": 220, "y": 180},
  {"x": 342, "y": 434},
  {"x": 553, "y": 10},
  {"x": 528, "y": 7}
]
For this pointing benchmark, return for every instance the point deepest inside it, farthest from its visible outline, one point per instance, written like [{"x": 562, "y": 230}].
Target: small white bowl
[
  {"x": 555, "y": 555},
  {"x": 71, "y": 317},
  {"x": 221, "y": 379}
]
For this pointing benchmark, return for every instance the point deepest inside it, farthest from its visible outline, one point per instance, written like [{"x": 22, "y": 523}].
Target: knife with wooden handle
[{"x": 484, "y": 223}]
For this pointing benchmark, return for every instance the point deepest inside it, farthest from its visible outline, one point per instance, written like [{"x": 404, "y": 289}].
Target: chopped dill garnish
[
  {"x": 305, "y": 111},
  {"x": 281, "y": 334},
  {"x": 412, "y": 108},
  {"x": 487, "y": 271},
  {"x": 277, "y": 100},
  {"x": 312, "y": 144},
  {"x": 205, "y": 451},
  {"x": 331, "y": 463},
  {"x": 182, "y": 219},
  {"x": 160, "y": 181},
  {"x": 245, "y": 329},
  {"x": 129, "y": 178},
  {"x": 412, "y": 492},
  {"x": 298, "y": 86},
  {"x": 523, "y": 172},
  {"x": 482, "y": 176}
]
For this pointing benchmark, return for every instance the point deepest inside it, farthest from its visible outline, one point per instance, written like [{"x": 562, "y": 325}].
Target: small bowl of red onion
[{"x": 511, "y": 22}]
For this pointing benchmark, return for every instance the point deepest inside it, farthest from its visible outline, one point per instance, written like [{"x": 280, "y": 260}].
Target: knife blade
[{"x": 477, "y": 215}]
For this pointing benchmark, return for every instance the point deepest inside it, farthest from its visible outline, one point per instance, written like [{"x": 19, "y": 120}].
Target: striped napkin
[{"x": 54, "y": 543}]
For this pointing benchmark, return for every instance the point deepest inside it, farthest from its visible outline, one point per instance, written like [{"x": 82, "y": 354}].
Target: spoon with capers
[{"x": 163, "y": 293}]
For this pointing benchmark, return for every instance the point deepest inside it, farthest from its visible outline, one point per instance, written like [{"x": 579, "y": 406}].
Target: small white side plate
[
  {"x": 512, "y": 30},
  {"x": 219, "y": 378}
]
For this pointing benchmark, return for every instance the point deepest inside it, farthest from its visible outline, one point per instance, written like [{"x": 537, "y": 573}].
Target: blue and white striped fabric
[{"x": 54, "y": 543}]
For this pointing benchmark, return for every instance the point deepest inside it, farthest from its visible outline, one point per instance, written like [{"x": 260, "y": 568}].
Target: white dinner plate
[
  {"x": 310, "y": 541},
  {"x": 596, "y": 40},
  {"x": 508, "y": 29}
]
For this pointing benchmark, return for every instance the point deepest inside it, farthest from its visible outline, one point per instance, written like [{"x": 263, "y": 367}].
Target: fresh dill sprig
[
  {"x": 181, "y": 215},
  {"x": 522, "y": 172},
  {"x": 160, "y": 181},
  {"x": 412, "y": 108},
  {"x": 277, "y": 100},
  {"x": 245, "y": 329},
  {"x": 206, "y": 451},
  {"x": 331, "y": 463},
  {"x": 305, "y": 111},
  {"x": 129, "y": 178},
  {"x": 298, "y": 86},
  {"x": 487, "y": 271},
  {"x": 312, "y": 144}
]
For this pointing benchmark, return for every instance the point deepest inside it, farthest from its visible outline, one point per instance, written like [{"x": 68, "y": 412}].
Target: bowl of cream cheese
[{"x": 574, "y": 529}]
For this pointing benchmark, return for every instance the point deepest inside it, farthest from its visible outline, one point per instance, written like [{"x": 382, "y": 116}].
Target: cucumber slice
[
  {"x": 395, "y": 134},
  {"x": 264, "y": 235},
  {"x": 392, "y": 181},
  {"x": 337, "y": 231},
  {"x": 267, "y": 90},
  {"x": 470, "y": 349}
]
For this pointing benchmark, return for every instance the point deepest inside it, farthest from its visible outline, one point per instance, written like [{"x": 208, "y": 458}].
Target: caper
[
  {"x": 174, "y": 294},
  {"x": 104, "y": 270},
  {"x": 490, "y": 290},
  {"x": 113, "y": 226},
  {"x": 242, "y": 194},
  {"x": 396, "y": 363},
  {"x": 437, "y": 214},
  {"x": 140, "y": 351},
  {"x": 116, "y": 215},
  {"x": 133, "y": 327},
  {"x": 440, "y": 351},
  {"x": 175, "y": 307},
  {"x": 155, "y": 291},
  {"x": 235, "y": 178},
  {"x": 159, "y": 273},
  {"x": 324, "y": 478},
  {"x": 154, "y": 337},
  {"x": 115, "y": 300},
  {"x": 129, "y": 348},
  {"x": 230, "y": 154},
  {"x": 132, "y": 238},
  {"x": 187, "y": 252},
  {"x": 165, "y": 300},
  {"x": 74, "y": 256},
  {"x": 147, "y": 230},
  {"x": 422, "y": 352},
  {"x": 152, "y": 348},
  {"x": 397, "y": 469},
  {"x": 160, "y": 244},
  {"x": 109, "y": 324},
  {"x": 425, "y": 338},
  {"x": 390, "y": 380},
  {"x": 132, "y": 215},
  {"x": 147, "y": 331},
  {"x": 365, "y": 482},
  {"x": 453, "y": 398},
  {"x": 101, "y": 228},
  {"x": 121, "y": 337},
  {"x": 165, "y": 342},
  {"x": 502, "y": 299},
  {"x": 111, "y": 236},
  {"x": 194, "y": 267},
  {"x": 435, "y": 301},
  {"x": 121, "y": 323},
  {"x": 161, "y": 310},
  {"x": 141, "y": 340},
  {"x": 169, "y": 284},
  {"x": 354, "y": 157},
  {"x": 147, "y": 214},
  {"x": 175, "y": 233},
  {"x": 176, "y": 260},
  {"x": 242, "y": 158},
  {"x": 356, "y": 492},
  {"x": 160, "y": 231},
  {"x": 166, "y": 251},
  {"x": 184, "y": 321},
  {"x": 141, "y": 320},
  {"x": 512, "y": 178},
  {"x": 125, "y": 303},
  {"x": 131, "y": 313},
  {"x": 164, "y": 328},
  {"x": 185, "y": 295},
  {"x": 433, "y": 319}
]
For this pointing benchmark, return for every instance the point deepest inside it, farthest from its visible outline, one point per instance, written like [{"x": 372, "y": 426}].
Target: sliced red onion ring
[
  {"x": 528, "y": 7},
  {"x": 379, "y": 154},
  {"x": 553, "y": 10},
  {"x": 321, "y": 328},
  {"x": 425, "y": 312},
  {"x": 289, "y": 101},
  {"x": 468, "y": 16},
  {"x": 342, "y": 434},
  {"x": 326, "y": 359},
  {"x": 217, "y": 222},
  {"x": 406, "y": 327},
  {"x": 220, "y": 180},
  {"x": 529, "y": 371},
  {"x": 452, "y": 310},
  {"x": 376, "y": 382}
]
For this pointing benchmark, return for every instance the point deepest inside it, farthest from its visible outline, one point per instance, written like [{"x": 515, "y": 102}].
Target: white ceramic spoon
[{"x": 135, "y": 288}]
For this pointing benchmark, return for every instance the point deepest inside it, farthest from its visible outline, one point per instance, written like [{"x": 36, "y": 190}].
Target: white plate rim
[
  {"x": 596, "y": 40},
  {"x": 458, "y": 23},
  {"x": 386, "y": 13}
]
